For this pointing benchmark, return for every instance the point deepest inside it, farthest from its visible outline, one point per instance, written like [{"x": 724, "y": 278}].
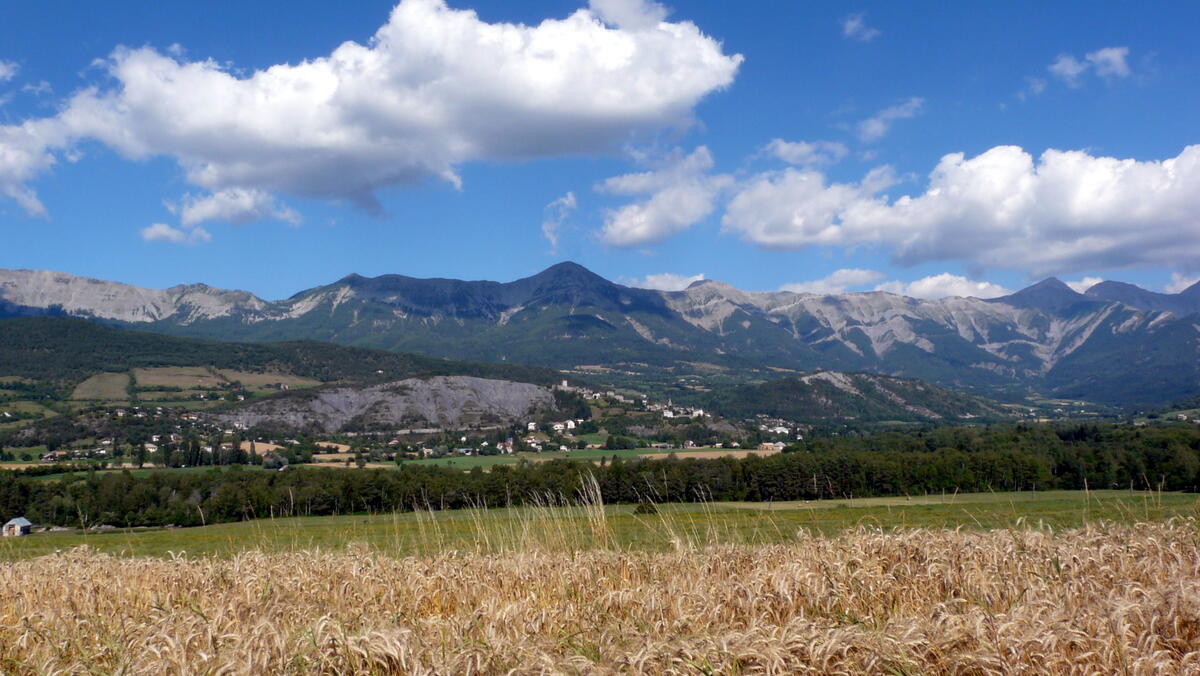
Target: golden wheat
[{"x": 1104, "y": 599}]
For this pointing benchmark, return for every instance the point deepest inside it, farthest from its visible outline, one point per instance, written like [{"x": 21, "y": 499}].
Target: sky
[{"x": 928, "y": 149}]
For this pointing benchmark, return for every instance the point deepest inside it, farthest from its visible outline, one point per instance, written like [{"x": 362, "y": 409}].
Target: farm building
[{"x": 17, "y": 526}]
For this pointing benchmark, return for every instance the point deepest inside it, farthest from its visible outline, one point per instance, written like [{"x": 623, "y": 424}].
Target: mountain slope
[
  {"x": 1046, "y": 338},
  {"x": 826, "y": 396}
]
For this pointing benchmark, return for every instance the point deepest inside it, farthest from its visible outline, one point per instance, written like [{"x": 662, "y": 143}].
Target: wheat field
[{"x": 1103, "y": 599}]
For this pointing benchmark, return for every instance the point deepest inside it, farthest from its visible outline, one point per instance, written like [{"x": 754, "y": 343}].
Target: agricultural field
[
  {"x": 110, "y": 387},
  {"x": 183, "y": 377},
  {"x": 263, "y": 382},
  {"x": 194, "y": 379},
  {"x": 978, "y": 584}
]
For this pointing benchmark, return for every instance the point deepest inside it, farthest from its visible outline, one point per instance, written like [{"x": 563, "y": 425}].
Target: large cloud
[
  {"x": 678, "y": 196},
  {"x": 1067, "y": 211},
  {"x": 435, "y": 87}
]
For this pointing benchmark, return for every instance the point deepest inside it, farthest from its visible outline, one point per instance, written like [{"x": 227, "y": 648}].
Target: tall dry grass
[{"x": 1104, "y": 599}]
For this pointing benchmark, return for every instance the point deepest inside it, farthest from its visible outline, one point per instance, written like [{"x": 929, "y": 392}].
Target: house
[
  {"x": 17, "y": 526},
  {"x": 532, "y": 427}
]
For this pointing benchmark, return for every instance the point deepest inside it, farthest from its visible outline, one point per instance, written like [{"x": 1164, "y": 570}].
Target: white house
[
  {"x": 17, "y": 526},
  {"x": 532, "y": 427}
]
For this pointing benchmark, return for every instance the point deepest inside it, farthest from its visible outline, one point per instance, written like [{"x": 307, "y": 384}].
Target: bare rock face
[
  {"x": 43, "y": 289},
  {"x": 440, "y": 401}
]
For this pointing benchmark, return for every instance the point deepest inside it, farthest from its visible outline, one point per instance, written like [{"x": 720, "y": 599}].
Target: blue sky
[{"x": 769, "y": 144}]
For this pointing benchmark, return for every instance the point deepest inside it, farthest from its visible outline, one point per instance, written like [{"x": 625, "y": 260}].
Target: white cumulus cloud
[
  {"x": 854, "y": 27},
  {"x": 161, "y": 232},
  {"x": 433, "y": 88},
  {"x": 1180, "y": 282},
  {"x": 943, "y": 286},
  {"x": 878, "y": 125},
  {"x": 1065, "y": 211},
  {"x": 678, "y": 195},
  {"x": 663, "y": 281},
  {"x": 838, "y": 281},
  {"x": 807, "y": 154},
  {"x": 235, "y": 205}
]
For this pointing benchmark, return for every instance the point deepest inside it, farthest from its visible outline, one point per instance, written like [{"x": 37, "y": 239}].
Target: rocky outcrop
[{"x": 441, "y": 401}]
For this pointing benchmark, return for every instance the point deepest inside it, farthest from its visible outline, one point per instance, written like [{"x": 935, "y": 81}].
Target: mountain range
[{"x": 1116, "y": 344}]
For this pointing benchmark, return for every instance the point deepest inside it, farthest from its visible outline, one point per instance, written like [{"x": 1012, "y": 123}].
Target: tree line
[{"x": 1009, "y": 458}]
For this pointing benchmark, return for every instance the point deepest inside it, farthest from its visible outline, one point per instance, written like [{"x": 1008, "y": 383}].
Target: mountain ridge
[{"x": 1046, "y": 338}]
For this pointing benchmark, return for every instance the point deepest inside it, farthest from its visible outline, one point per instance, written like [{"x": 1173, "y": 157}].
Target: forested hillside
[{"x": 66, "y": 351}]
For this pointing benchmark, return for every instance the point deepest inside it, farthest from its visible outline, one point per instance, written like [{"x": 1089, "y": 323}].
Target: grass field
[
  {"x": 111, "y": 387},
  {"x": 557, "y": 590},
  {"x": 573, "y": 528}
]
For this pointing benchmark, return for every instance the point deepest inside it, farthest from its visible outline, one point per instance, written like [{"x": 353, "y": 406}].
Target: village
[{"x": 160, "y": 436}]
